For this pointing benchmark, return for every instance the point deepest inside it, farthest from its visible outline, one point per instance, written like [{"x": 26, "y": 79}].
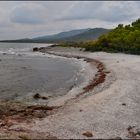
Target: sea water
[{"x": 23, "y": 73}]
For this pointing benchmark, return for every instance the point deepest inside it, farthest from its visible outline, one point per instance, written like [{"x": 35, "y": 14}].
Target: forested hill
[{"x": 124, "y": 39}]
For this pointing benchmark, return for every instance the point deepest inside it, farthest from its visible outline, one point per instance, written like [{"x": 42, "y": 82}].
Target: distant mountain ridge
[
  {"x": 61, "y": 35},
  {"x": 68, "y": 36},
  {"x": 89, "y": 34}
]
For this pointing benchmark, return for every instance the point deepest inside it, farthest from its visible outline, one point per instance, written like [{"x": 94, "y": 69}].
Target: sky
[{"x": 27, "y": 19}]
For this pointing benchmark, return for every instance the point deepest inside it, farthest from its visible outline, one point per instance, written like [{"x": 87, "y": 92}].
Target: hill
[
  {"x": 89, "y": 34},
  {"x": 124, "y": 38},
  {"x": 60, "y": 36},
  {"x": 69, "y": 36}
]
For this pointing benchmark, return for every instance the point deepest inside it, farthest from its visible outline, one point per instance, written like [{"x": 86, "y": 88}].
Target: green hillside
[{"x": 125, "y": 39}]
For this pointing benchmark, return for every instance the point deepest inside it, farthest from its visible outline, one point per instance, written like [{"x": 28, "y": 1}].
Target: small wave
[
  {"x": 14, "y": 51},
  {"x": 2, "y": 52}
]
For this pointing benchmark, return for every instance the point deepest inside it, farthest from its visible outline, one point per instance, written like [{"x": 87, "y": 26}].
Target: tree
[
  {"x": 136, "y": 23},
  {"x": 120, "y": 26}
]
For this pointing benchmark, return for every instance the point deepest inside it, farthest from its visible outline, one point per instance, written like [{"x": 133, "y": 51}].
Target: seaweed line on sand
[
  {"x": 99, "y": 77},
  {"x": 14, "y": 113},
  {"x": 17, "y": 112}
]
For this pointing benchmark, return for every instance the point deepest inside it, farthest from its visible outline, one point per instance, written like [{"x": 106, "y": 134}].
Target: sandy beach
[{"x": 109, "y": 110}]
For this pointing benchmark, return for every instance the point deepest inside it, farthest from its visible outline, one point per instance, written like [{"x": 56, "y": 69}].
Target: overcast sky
[{"x": 27, "y": 19}]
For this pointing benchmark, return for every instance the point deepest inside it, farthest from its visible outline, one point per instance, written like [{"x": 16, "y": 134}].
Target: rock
[
  {"x": 44, "y": 98},
  {"x": 24, "y": 67},
  {"x": 19, "y": 54},
  {"x": 1, "y": 124},
  {"x": 24, "y": 137},
  {"x": 130, "y": 127},
  {"x": 41, "y": 48},
  {"x": 132, "y": 132},
  {"x": 107, "y": 72},
  {"x": 35, "y": 49},
  {"x": 88, "y": 134},
  {"x": 124, "y": 104},
  {"x": 54, "y": 45},
  {"x": 37, "y": 96}
]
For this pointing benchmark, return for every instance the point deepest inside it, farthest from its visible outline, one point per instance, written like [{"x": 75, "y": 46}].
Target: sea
[{"x": 24, "y": 73}]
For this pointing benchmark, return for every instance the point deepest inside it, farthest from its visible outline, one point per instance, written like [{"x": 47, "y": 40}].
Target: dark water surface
[{"x": 24, "y": 73}]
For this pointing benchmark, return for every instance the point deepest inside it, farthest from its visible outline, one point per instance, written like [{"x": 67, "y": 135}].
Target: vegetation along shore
[{"x": 125, "y": 39}]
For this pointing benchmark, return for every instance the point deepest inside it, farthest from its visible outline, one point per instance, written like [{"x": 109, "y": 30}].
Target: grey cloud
[
  {"x": 33, "y": 18},
  {"x": 105, "y": 11},
  {"x": 38, "y": 12},
  {"x": 28, "y": 14}
]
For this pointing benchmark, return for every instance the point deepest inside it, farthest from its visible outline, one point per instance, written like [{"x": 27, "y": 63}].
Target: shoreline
[
  {"x": 87, "y": 86},
  {"x": 110, "y": 111},
  {"x": 91, "y": 82},
  {"x": 19, "y": 112}
]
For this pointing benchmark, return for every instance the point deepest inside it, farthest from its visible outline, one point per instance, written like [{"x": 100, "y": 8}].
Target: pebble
[{"x": 88, "y": 134}]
